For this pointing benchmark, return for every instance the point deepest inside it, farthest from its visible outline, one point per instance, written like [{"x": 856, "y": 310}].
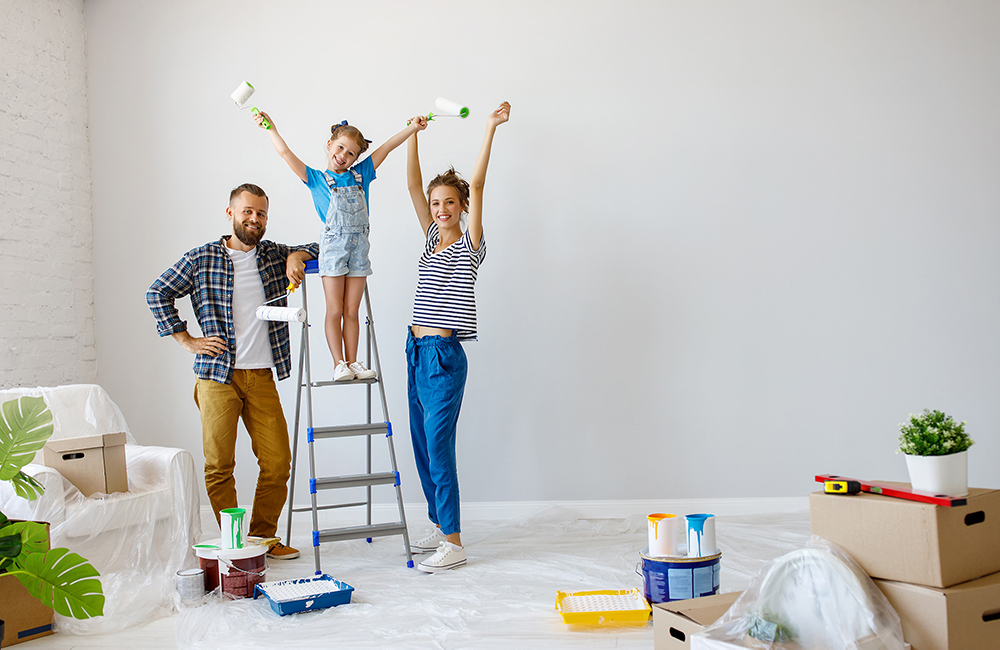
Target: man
[{"x": 227, "y": 280}]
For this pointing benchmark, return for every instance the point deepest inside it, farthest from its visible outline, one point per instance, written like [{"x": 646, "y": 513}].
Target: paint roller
[
  {"x": 242, "y": 95},
  {"x": 281, "y": 314},
  {"x": 448, "y": 108}
]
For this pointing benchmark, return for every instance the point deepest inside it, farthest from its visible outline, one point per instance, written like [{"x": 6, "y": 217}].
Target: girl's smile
[
  {"x": 445, "y": 205},
  {"x": 344, "y": 151}
]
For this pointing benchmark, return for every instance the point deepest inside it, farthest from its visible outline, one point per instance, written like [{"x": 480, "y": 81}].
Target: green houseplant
[
  {"x": 59, "y": 578},
  {"x": 935, "y": 446}
]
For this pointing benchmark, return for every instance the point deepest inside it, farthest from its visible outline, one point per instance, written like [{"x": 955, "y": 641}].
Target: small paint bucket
[
  {"x": 701, "y": 535},
  {"x": 678, "y": 578},
  {"x": 240, "y": 569},
  {"x": 662, "y": 530},
  {"x": 232, "y": 523},
  {"x": 191, "y": 585}
]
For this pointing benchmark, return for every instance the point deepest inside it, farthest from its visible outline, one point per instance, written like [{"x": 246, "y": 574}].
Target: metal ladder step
[
  {"x": 348, "y": 382},
  {"x": 358, "y": 532},
  {"x": 343, "y": 431},
  {"x": 355, "y": 480}
]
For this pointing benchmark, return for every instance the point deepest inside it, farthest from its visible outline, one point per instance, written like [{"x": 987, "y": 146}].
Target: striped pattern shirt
[
  {"x": 206, "y": 274},
  {"x": 446, "y": 294}
]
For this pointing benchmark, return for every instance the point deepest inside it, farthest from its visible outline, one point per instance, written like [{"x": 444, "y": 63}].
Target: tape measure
[{"x": 842, "y": 487}]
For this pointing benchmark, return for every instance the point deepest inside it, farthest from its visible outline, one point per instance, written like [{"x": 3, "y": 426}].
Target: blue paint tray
[{"x": 304, "y": 594}]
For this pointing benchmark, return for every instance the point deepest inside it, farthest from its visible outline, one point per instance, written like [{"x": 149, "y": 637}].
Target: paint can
[
  {"x": 232, "y": 523},
  {"x": 678, "y": 578},
  {"x": 208, "y": 560},
  {"x": 662, "y": 530},
  {"x": 701, "y": 535},
  {"x": 191, "y": 585},
  {"x": 240, "y": 569}
]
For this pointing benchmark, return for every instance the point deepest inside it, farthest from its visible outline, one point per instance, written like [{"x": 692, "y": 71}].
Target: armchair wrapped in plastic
[
  {"x": 816, "y": 598},
  {"x": 138, "y": 539}
]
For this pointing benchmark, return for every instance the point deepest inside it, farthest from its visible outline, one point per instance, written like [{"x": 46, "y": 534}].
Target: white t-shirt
[
  {"x": 446, "y": 285},
  {"x": 253, "y": 345}
]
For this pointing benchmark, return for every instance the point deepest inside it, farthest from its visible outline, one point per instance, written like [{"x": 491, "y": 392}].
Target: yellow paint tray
[{"x": 603, "y": 607}]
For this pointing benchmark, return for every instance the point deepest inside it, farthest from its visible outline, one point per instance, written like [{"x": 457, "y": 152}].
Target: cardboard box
[
  {"x": 675, "y": 622},
  {"x": 909, "y": 541},
  {"x": 24, "y": 616},
  {"x": 963, "y": 616},
  {"x": 91, "y": 463}
]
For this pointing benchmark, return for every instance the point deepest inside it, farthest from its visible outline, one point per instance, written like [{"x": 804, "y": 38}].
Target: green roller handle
[{"x": 265, "y": 123}]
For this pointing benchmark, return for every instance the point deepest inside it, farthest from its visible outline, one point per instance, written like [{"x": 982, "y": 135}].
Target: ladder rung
[
  {"x": 320, "y": 384},
  {"x": 331, "y": 507},
  {"x": 356, "y": 480},
  {"x": 342, "y": 431},
  {"x": 357, "y": 532}
]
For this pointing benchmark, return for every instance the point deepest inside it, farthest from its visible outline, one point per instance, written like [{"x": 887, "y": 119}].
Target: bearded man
[{"x": 227, "y": 280}]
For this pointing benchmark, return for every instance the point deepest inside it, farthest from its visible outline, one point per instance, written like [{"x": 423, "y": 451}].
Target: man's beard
[{"x": 247, "y": 237}]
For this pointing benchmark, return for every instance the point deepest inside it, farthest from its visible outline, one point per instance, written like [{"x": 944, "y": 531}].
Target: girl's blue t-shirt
[{"x": 321, "y": 190}]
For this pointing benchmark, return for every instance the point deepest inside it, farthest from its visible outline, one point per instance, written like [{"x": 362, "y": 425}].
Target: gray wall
[
  {"x": 47, "y": 332},
  {"x": 731, "y": 244}
]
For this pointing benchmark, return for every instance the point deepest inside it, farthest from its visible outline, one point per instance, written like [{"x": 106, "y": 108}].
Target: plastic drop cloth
[
  {"x": 816, "y": 598},
  {"x": 503, "y": 598},
  {"x": 138, "y": 539}
]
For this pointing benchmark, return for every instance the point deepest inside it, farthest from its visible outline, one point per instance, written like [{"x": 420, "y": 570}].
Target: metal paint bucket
[{"x": 678, "y": 578}]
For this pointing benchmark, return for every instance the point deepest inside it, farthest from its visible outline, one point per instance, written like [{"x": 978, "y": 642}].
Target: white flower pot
[{"x": 947, "y": 474}]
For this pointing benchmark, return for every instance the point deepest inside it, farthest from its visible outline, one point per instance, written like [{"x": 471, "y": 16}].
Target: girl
[
  {"x": 444, "y": 313},
  {"x": 340, "y": 196}
]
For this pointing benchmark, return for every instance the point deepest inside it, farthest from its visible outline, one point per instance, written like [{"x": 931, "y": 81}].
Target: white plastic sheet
[
  {"x": 138, "y": 539},
  {"x": 815, "y": 598},
  {"x": 503, "y": 598}
]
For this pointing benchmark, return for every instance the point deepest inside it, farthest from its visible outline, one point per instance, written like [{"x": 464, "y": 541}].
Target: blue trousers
[{"x": 435, "y": 378}]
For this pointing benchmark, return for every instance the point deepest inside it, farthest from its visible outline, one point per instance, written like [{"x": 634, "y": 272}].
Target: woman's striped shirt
[{"x": 446, "y": 295}]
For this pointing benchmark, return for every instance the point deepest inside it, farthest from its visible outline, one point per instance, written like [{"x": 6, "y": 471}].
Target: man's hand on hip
[{"x": 211, "y": 346}]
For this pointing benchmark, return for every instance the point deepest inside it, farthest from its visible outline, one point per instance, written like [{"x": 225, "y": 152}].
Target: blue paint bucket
[{"x": 678, "y": 578}]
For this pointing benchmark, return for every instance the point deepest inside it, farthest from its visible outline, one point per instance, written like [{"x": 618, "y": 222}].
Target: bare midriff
[{"x": 420, "y": 331}]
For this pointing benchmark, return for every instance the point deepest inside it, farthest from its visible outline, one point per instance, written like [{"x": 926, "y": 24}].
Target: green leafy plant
[
  {"x": 932, "y": 433},
  {"x": 59, "y": 578}
]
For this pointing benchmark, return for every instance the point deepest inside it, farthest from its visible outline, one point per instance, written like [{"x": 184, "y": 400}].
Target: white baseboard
[{"x": 502, "y": 510}]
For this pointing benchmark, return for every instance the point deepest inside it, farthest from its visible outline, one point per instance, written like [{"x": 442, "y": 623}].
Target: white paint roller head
[
  {"x": 242, "y": 94},
  {"x": 448, "y": 108},
  {"x": 281, "y": 314}
]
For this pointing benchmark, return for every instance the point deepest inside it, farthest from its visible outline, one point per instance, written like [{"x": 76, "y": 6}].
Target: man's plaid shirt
[{"x": 206, "y": 274}]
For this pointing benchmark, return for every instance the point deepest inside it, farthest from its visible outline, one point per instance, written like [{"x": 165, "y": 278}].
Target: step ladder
[{"x": 366, "y": 429}]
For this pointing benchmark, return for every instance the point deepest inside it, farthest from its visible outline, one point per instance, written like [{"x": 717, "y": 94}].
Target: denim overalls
[{"x": 344, "y": 249}]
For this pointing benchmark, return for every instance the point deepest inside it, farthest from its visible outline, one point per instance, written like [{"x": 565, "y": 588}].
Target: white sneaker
[
  {"x": 361, "y": 372},
  {"x": 428, "y": 543},
  {"x": 343, "y": 372},
  {"x": 447, "y": 556}
]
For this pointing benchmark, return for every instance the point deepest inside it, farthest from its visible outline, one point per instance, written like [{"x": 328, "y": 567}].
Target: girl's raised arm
[
  {"x": 478, "y": 179},
  {"x": 414, "y": 181},
  {"x": 412, "y": 126},
  {"x": 293, "y": 161}
]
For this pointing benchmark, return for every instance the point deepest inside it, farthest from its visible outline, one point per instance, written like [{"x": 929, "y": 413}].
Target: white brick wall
[{"x": 46, "y": 226}]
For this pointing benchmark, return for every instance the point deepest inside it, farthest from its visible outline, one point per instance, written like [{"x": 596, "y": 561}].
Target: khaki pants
[{"x": 253, "y": 396}]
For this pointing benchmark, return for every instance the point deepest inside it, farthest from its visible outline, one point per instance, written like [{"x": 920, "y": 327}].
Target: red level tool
[{"x": 897, "y": 491}]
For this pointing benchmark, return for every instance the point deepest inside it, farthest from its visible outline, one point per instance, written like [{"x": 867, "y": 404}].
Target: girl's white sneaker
[
  {"x": 447, "y": 556},
  {"x": 361, "y": 372},
  {"x": 343, "y": 372}
]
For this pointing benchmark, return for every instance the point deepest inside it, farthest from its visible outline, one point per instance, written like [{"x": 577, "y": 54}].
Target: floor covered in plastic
[{"x": 504, "y": 597}]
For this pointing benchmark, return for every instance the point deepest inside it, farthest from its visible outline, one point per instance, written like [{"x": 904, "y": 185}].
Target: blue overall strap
[{"x": 332, "y": 182}]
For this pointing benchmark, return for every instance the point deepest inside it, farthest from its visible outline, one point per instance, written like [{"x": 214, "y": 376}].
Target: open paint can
[
  {"x": 208, "y": 560},
  {"x": 678, "y": 578},
  {"x": 240, "y": 569}
]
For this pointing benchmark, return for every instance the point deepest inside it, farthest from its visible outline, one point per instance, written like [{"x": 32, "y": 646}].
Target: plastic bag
[{"x": 816, "y": 598}]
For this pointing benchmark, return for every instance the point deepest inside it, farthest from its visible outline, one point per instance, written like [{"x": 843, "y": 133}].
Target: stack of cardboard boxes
[{"x": 939, "y": 567}]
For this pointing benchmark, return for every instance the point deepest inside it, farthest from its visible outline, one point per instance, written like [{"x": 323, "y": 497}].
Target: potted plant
[
  {"x": 57, "y": 577},
  {"x": 936, "y": 458}
]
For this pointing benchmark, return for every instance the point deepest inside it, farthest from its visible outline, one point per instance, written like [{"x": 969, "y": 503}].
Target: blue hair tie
[{"x": 344, "y": 123}]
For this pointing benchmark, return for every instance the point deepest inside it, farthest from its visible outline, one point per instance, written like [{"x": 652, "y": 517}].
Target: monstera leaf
[
  {"x": 64, "y": 581},
  {"x": 25, "y": 425}
]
